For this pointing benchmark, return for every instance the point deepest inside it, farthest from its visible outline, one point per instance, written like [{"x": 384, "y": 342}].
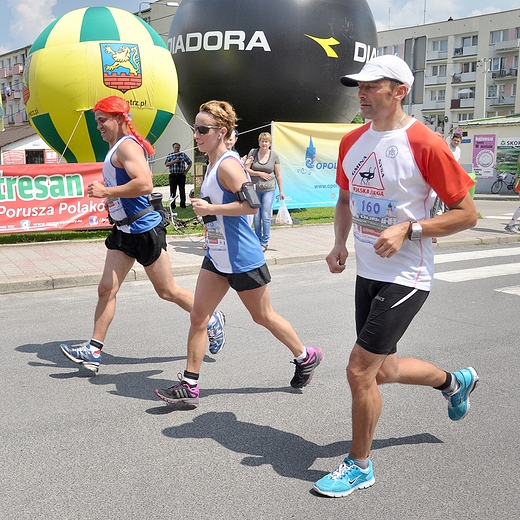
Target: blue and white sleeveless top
[
  {"x": 121, "y": 208},
  {"x": 233, "y": 246}
]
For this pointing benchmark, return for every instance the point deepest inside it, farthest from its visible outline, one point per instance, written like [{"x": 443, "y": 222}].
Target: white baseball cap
[{"x": 382, "y": 67}]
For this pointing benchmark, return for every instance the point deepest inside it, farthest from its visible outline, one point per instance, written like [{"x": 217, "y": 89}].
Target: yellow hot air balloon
[{"x": 86, "y": 55}]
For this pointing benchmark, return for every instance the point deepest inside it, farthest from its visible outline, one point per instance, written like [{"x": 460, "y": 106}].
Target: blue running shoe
[
  {"x": 216, "y": 334},
  {"x": 458, "y": 403},
  {"x": 347, "y": 478},
  {"x": 86, "y": 356}
]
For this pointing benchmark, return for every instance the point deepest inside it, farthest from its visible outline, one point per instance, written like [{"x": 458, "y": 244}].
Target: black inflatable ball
[{"x": 275, "y": 60}]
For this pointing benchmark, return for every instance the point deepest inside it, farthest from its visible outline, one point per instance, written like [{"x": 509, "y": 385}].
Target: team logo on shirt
[
  {"x": 392, "y": 152},
  {"x": 368, "y": 176}
]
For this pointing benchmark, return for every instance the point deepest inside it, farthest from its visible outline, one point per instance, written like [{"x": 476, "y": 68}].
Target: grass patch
[
  {"x": 304, "y": 216},
  {"x": 307, "y": 216}
]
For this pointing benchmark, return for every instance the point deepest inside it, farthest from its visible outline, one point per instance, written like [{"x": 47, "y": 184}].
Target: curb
[{"x": 46, "y": 283}]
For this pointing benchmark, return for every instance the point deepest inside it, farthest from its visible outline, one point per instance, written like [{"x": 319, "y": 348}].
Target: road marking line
[
  {"x": 477, "y": 273},
  {"x": 510, "y": 290},
  {"x": 476, "y": 255}
]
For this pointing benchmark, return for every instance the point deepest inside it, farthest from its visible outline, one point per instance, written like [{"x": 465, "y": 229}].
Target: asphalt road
[{"x": 104, "y": 447}]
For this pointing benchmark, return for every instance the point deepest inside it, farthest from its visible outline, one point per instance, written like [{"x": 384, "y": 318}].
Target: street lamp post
[{"x": 484, "y": 63}]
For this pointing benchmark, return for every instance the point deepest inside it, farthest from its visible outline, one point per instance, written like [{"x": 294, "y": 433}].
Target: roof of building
[
  {"x": 15, "y": 133},
  {"x": 512, "y": 119}
]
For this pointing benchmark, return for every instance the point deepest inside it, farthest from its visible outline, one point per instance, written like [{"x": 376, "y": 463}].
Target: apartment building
[
  {"x": 465, "y": 69},
  {"x": 11, "y": 72}
]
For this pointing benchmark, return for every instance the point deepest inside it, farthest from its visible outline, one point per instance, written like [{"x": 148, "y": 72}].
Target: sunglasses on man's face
[{"x": 202, "y": 129}]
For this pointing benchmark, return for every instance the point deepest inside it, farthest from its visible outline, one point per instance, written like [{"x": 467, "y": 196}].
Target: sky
[{"x": 21, "y": 21}]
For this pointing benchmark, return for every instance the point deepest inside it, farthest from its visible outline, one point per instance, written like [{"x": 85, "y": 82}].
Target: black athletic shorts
[
  {"x": 145, "y": 247},
  {"x": 241, "y": 281},
  {"x": 383, "y": 313}
]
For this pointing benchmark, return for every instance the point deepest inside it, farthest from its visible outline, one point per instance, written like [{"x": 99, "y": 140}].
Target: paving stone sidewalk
[{"x": 55, "y": 265}]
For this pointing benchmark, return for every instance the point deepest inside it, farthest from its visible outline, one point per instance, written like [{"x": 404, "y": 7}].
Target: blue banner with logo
[{"x": 308, "y": 154}]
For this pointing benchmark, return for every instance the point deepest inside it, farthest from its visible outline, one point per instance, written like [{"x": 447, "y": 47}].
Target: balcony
[
  {"x": 464, "y": 77},
  {"x": 460, "y": 52},
  {"x": 501, "y": 101},
  {"x": 435, "y": 80},
  {"x": 433, "y": 105},
  {"x": 17, "y": 94},
  {"x": 18, "y": 69},
  {"x": 436, "y": 55},
  {"x": 6, "y": 72},
  {"x": 508, "y": 45},
  {"x": 504, "y": 73},
  {"x": 467, "y": 103}
]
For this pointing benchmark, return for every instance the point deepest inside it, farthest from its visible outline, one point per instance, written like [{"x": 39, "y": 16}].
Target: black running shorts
[
  {"x": 145, "y": 247},
  {"x": 241, "y": 281},
  {"x": 383, "y": 313}
]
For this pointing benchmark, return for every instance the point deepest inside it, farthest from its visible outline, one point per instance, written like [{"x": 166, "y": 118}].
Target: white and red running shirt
[{"x": 391, "y": 177}]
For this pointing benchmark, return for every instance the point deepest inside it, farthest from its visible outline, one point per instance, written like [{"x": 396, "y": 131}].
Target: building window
[
  {"x": 517, "y": 32},
  {"x": 468, "y": 67},
  {"x": 440, "y": 45},
  {"x": 439, "y": 70},
  {"x": 492, "y": 91},
  {"x": 395, "y": 50},
  {"x": 34, "y": 157},
  {"x": 498, "y": 64},
  {"x": 467, "y": 93},
  {"x": 437, "y": 95},
  {"x": 498, "y": 36},
  {"x": 465, "y": 117},
  {"x": 470, "y": 41}
]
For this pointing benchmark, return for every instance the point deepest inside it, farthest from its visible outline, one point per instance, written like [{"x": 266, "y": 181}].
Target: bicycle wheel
[
  {"x": 496, "y": 186},
  {"x": 178, "y": 224}
]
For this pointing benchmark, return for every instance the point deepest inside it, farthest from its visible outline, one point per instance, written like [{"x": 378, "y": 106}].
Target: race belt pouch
[
  {"x": 249, "y": 195},
  {"x": 156, "y": 201}
]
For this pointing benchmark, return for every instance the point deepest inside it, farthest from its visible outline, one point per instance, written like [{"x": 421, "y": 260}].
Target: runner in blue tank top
[
  {"x": 138, "y": 232},
  {"x": 234, "y": 257}
]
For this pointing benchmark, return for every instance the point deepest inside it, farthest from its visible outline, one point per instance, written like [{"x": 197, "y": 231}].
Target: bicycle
[
  {"x": 183, "y": 225},
  {"x": 503, "y": 181}
]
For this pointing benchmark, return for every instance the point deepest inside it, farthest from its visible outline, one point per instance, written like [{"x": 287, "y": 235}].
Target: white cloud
[{"x": 28, "y": 19}]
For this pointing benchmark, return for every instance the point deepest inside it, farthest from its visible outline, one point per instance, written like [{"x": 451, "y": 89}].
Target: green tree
[{"x": 358, "y": 120}]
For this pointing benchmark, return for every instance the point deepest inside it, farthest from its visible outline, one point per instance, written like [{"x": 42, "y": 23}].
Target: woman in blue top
[{"x": 234, "y": 257}]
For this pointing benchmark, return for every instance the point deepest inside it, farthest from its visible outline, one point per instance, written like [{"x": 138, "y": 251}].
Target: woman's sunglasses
[{"x": 203, "y": 129}]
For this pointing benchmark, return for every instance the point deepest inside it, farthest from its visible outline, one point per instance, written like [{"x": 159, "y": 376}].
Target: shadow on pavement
[{"x": 290, "y": 455}]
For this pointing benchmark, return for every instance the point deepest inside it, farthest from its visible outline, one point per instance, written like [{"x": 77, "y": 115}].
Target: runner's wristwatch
[{"x": 414, "y": 231}]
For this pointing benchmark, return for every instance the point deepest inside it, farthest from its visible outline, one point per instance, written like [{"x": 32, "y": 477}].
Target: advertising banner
[
  {"x": 484, "y": 155},
  {"x": 39, "y": 197},
  {"x": 308, "y": 154},
  {"x": 508, "y": 155}
]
